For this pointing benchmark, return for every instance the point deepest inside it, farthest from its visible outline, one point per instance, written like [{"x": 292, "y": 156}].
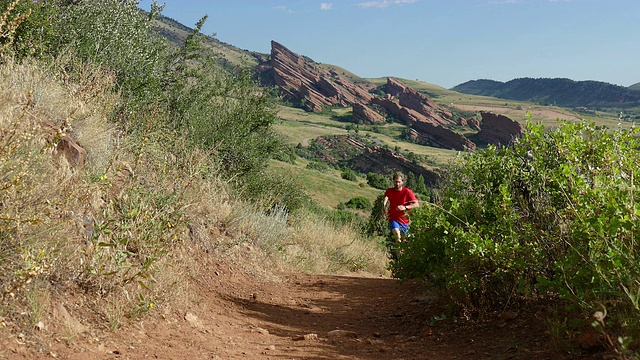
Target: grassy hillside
[
  {"x": 558, "y": 91},
  {"x": 229, "y": 55},
  {"x": 326, "y": 187}
]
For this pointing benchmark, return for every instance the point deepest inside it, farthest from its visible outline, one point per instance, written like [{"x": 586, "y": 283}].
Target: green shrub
[
  {"x": 286, "y": 154},
  {"x": 27, "y": 29},
  {"x": 349, "y": 174},
  {"x": 227, "y": 114},
  {"x": 359, "y": 202},
  {"x": 377, "y": 223},
  {"x": 318, "y": 166},
  {"x": 416, "y": 183},
  {"x": 555, "y": 213},
  {"x": 378, "y": 181},
  {"x": 117, "y": 35},
  {"x": 268, "y": 190}
]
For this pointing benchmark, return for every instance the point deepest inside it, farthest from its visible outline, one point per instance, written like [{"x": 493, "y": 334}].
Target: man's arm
[
  {"x": 412, "y": 204},
  {"x": 385, "y": 206}
]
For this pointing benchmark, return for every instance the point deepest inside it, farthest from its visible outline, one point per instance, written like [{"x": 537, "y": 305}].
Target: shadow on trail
[
  {"x": 384, "y": 319},
  {"x": 380, "y": 318}
]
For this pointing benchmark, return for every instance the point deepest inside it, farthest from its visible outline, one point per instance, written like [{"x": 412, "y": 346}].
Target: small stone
[
  {"x": 508, "y": 315},
  {"x": 341, "y": 334},
  {"x": 305, "y": 337},
  {"x": 590, "y": 340},
  {"x": 261, "y": 331},
  {"x": 311, "y": 337},
  {"x": 39, "y": 326}
]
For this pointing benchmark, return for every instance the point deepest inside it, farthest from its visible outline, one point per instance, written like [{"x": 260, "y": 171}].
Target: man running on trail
[{"x": 398, "y": 202}]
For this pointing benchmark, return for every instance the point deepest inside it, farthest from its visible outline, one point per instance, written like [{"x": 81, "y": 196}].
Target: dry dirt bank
[{"x": 313, "y": 317}]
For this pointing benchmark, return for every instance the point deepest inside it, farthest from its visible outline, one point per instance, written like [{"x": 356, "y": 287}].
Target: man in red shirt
[{"x": 398, "y": 202}]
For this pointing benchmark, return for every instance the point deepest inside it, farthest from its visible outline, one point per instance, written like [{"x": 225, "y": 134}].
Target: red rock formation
[
  {"x": 438, "y": 136},
  {"x": 301, "y": 79},
  {"x": 362, "y": 114},
  {"x": 498, "y": 129},
  {"x": 472, "y": 122},
  {"x": 373, "y": 158},
  {"x": 403, "y": 114},
  {"x": 426, "y": 132},
  {"x": 420, "y": 103}
]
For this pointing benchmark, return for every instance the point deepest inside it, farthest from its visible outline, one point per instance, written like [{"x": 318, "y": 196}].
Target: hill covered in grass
[{"x": 558, "y": 91}]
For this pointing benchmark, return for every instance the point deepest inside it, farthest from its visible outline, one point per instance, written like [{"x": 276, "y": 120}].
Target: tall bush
[
  {"x": 555, "y": 213},
  {"x": 223, "y": 112},
  {"x": 26, "y": 27},
  {"x": 120, "y": 37}
]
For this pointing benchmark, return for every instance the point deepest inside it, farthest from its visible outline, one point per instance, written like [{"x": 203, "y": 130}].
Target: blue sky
[{"x": 443, "y": 42}]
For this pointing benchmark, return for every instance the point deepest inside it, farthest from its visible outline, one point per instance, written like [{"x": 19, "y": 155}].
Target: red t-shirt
[{"x": 402, "y": 197}]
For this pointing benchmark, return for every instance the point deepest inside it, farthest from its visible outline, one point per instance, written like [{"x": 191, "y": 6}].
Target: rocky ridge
[
  {"x": 498, "y": 129},
  {"x": 303, "y": 80},
  {"x": 366, "y": 157}
]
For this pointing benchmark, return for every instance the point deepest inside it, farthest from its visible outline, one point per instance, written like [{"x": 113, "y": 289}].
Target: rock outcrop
[
  {"x": 428, "y": 121},
  {"x": 411, "y": 99},
  {"x": 315, "y": 88},
  {"x": 299, "y": 78},
  {"x": 366, "y": 157},
  {"x": 437, "y": 136},
  {"x": 498, "y": 129},
  {"x": 362, "y": 114},
  {"x": 65, "y": 145},
  {"x": 372, "y": 159}
]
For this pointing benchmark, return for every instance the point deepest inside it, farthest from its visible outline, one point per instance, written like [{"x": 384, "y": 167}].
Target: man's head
[{"x": 398, "y": 180}]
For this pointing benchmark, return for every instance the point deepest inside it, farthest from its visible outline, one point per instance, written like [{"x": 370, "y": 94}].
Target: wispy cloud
[
  {"x": 326, "y": 6},
  {"x": 284, "y": 9},
  {"x": 508, "y": 2},
  {"x": 381, "y": 4}
]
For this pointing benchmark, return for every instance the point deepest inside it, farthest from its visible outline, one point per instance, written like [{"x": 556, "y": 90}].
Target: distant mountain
[
  {"x": 558, "y": 91},
  {"x": 635, "y": 87}
]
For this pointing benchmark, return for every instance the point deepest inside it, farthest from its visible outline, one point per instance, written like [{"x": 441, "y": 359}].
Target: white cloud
[
  {"x": 385, "y": 3},
  {"x": 283, "y": 9},
  {"x": 326, "y": 6}
]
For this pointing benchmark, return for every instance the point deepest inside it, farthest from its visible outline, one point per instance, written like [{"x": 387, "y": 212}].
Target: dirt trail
[{"x": 235, "y": 316}]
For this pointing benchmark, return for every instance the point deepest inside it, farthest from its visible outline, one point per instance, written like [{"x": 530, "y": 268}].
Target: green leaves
[
  {"x": 556, "y": 212},
  {"x": 118, "y": 36}
]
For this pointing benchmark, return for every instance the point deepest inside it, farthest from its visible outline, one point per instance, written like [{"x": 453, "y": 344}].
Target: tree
[{"x": 378, "y": 181}]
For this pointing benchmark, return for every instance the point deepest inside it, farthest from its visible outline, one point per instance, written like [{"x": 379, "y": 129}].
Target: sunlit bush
[{"x": 555, "y": 213}]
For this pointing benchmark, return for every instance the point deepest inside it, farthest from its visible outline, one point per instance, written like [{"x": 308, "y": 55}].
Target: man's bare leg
[{"x": 397, "y": 234}]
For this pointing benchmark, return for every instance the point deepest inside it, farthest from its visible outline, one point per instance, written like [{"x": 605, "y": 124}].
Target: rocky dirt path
[{"x": 311, "y": 317}]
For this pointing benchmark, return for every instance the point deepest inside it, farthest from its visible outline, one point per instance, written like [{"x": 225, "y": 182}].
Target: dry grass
[
  {"x": 123, "y": 232},
  {"x": 333, "y": 250}
]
